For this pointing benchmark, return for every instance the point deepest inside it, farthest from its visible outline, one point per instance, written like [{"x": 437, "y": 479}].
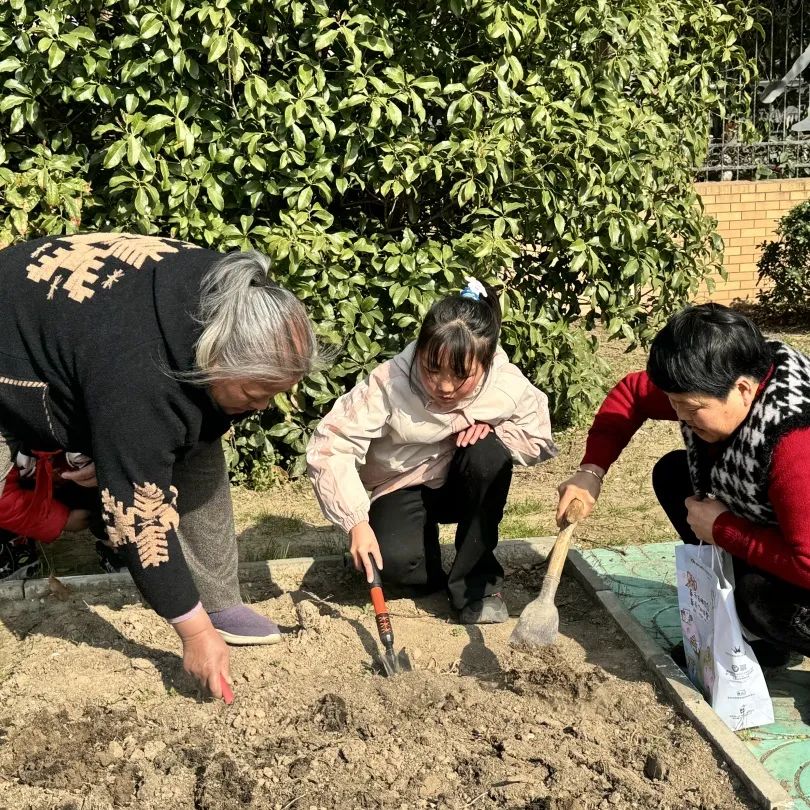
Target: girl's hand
[
  {"x": 363, "y": 543},
  {"x": 583, "y": 486},
  {"x": 470, "y": 435},
  {"x": 205, "y": 653},
  {"x": 84, "y": 476},
  {"x": 701, "y": 514}
]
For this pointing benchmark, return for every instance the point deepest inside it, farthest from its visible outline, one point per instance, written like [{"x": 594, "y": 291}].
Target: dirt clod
[
  {"x": 655, "y": 768},
  {"x": 309, "y": 617},
  {"x": 331, "y": 711}
]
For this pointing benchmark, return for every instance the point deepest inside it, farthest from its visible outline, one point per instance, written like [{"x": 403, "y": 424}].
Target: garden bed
[{"x": 95, "y": 712}]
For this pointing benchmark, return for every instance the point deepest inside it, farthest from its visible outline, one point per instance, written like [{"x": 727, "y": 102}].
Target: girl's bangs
[{"x": 450, "y": 348}]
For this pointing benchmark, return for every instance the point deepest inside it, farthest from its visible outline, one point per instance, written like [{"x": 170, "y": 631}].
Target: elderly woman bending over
[{"x": 140, "y": 352}]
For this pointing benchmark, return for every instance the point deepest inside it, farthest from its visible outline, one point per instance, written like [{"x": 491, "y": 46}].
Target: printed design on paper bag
[
  {"x": 146, "y": 523},
  {"x": 690, "y": 632},
  {"x": 75, "y": 263}
]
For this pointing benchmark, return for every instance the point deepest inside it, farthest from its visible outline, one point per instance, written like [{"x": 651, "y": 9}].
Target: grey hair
[{"x": 251, "y": 326}]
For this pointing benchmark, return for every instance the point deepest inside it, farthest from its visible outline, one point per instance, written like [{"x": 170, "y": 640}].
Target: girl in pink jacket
[{"x": 430, "y": 437}]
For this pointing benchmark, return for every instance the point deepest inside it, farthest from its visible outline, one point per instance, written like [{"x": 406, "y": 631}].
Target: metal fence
[{"x": 774, "y": 140}]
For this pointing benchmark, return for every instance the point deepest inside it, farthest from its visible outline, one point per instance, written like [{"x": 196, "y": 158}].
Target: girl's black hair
[
  {"x": 459, "y": 330},
  {"x": 704, "y": 349}
]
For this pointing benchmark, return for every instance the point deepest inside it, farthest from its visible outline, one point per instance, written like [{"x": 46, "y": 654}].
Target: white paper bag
[{"x": 719, "y": 660}]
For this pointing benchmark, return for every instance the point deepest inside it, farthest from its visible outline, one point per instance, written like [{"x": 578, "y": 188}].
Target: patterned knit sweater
[
  {"x": 778, "y": 539},
  {"x": 736, "y": 471},
  {"x": 93, "y": 327}
]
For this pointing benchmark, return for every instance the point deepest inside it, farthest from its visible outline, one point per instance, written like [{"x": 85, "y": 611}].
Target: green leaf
[
  {"x": 142, "y": 202},
  {"x": 326, "y": 39},
  {"x": 9, "y": 102},
  {"x": 214, "y": 192},
  {"x": 105, "y": 94},
  {"x": 394, "y": 114},
  {"x": 299, "y": 139},
  {"x": 56, "y": 56},
  {"x": 217, "y": 46},
  {"x": 476, "y": 73},
  {"x": 157, "y": 122},
  {"x": 9, "y": 64},
  {"x": 115, "y": 154},
  {"x": 133, "y": 150},
  {"x": 150, "y": 26}
]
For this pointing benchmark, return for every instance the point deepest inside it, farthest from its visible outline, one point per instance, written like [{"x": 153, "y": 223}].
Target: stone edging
[
  {"x": 766, "y": 790},
  {"x": 517, "y": 551}
]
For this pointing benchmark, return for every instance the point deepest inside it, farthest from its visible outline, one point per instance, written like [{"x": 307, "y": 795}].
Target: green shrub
[
  {"x": 380, "y": 152},
  {"x": 785, "y": 262}
]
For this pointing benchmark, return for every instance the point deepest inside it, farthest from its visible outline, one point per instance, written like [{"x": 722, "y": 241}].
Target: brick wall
[{"x": 746, "y": 215}]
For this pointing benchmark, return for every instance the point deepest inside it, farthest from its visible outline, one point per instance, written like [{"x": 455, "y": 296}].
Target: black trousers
[
  {"x": 406, "y": 523},
  {"x": 768, "y": 606}
]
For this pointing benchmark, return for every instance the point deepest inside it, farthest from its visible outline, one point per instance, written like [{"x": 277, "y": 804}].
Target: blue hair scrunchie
[{"x": 474, "y": 289}]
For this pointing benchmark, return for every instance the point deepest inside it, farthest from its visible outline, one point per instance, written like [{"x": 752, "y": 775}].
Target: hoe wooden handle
[{"x": 560, "y": 551}]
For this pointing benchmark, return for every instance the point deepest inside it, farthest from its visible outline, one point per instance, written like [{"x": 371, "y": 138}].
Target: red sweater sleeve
[
  {"x": 626, "y": 407},
  {"x": 782, "y": 551}
]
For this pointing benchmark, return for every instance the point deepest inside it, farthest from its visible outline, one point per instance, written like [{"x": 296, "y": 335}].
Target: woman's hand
[
  {"x": 583, "y": 486},
  {"x": 701, "y": 514},
  {"x": 363, "y": 544},
  {"x": 84, "y": 476},
  {"x": 470, "y": 435},
  {"x": 205, "y": 653}
]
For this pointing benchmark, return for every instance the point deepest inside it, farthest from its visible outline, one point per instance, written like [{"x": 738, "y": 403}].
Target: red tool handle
[
  {"x": 227, "y": 692},
  {"x": 380, "y": 608}
]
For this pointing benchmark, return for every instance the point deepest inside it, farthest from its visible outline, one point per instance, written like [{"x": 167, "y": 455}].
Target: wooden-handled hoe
[{"x": 540, "y": 621}]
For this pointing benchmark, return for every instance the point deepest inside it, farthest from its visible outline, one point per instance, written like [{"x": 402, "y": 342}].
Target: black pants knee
[
  {"x": 406, "y": 524},
  {"x": 767, "y": 605}
]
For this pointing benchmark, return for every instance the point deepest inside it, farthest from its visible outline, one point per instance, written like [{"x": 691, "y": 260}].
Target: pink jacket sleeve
[
  {"x": 527, "y": 434},
  {"x": 338, "y": 447}
]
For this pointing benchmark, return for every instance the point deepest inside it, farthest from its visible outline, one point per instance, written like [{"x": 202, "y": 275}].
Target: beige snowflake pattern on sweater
[
  {"x": 146, "y": 523},
  {"x": 74, "y": 263}
]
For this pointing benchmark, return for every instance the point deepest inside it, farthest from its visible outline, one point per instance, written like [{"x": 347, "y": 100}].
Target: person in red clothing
[
  {"x": 743, "y": 481},
  {"x": 41, "y": 497},
  {"x": 30, "y": 502}
]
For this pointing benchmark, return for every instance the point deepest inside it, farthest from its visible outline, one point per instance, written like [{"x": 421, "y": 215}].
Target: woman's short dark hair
[
  {"x": 459, "y": 330},
  {"x": 705, "y": 349}
]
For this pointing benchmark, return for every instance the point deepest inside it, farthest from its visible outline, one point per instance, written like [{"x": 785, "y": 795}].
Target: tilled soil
[{"x": 95, "y": 712}]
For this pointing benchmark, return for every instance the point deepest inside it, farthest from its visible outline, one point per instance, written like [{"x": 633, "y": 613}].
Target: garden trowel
[{"x": 392, "y": 662}]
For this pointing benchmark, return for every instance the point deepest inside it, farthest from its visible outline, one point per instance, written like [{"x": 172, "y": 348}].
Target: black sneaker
[
  {"x": 19, "y": 558},
  {"x": 109, "y": 559}
]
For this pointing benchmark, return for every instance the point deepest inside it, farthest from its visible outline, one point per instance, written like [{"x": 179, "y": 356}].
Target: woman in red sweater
[{"x": 743, "y": 481}]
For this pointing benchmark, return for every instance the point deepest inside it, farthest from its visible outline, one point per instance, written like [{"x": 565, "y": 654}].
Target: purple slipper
[{"x": 240, "y": 625}]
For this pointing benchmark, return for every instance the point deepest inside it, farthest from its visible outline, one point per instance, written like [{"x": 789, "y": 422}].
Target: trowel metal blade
[
  {"x": 388, "y": 664},
  {"x": 393, "y": 663}
]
